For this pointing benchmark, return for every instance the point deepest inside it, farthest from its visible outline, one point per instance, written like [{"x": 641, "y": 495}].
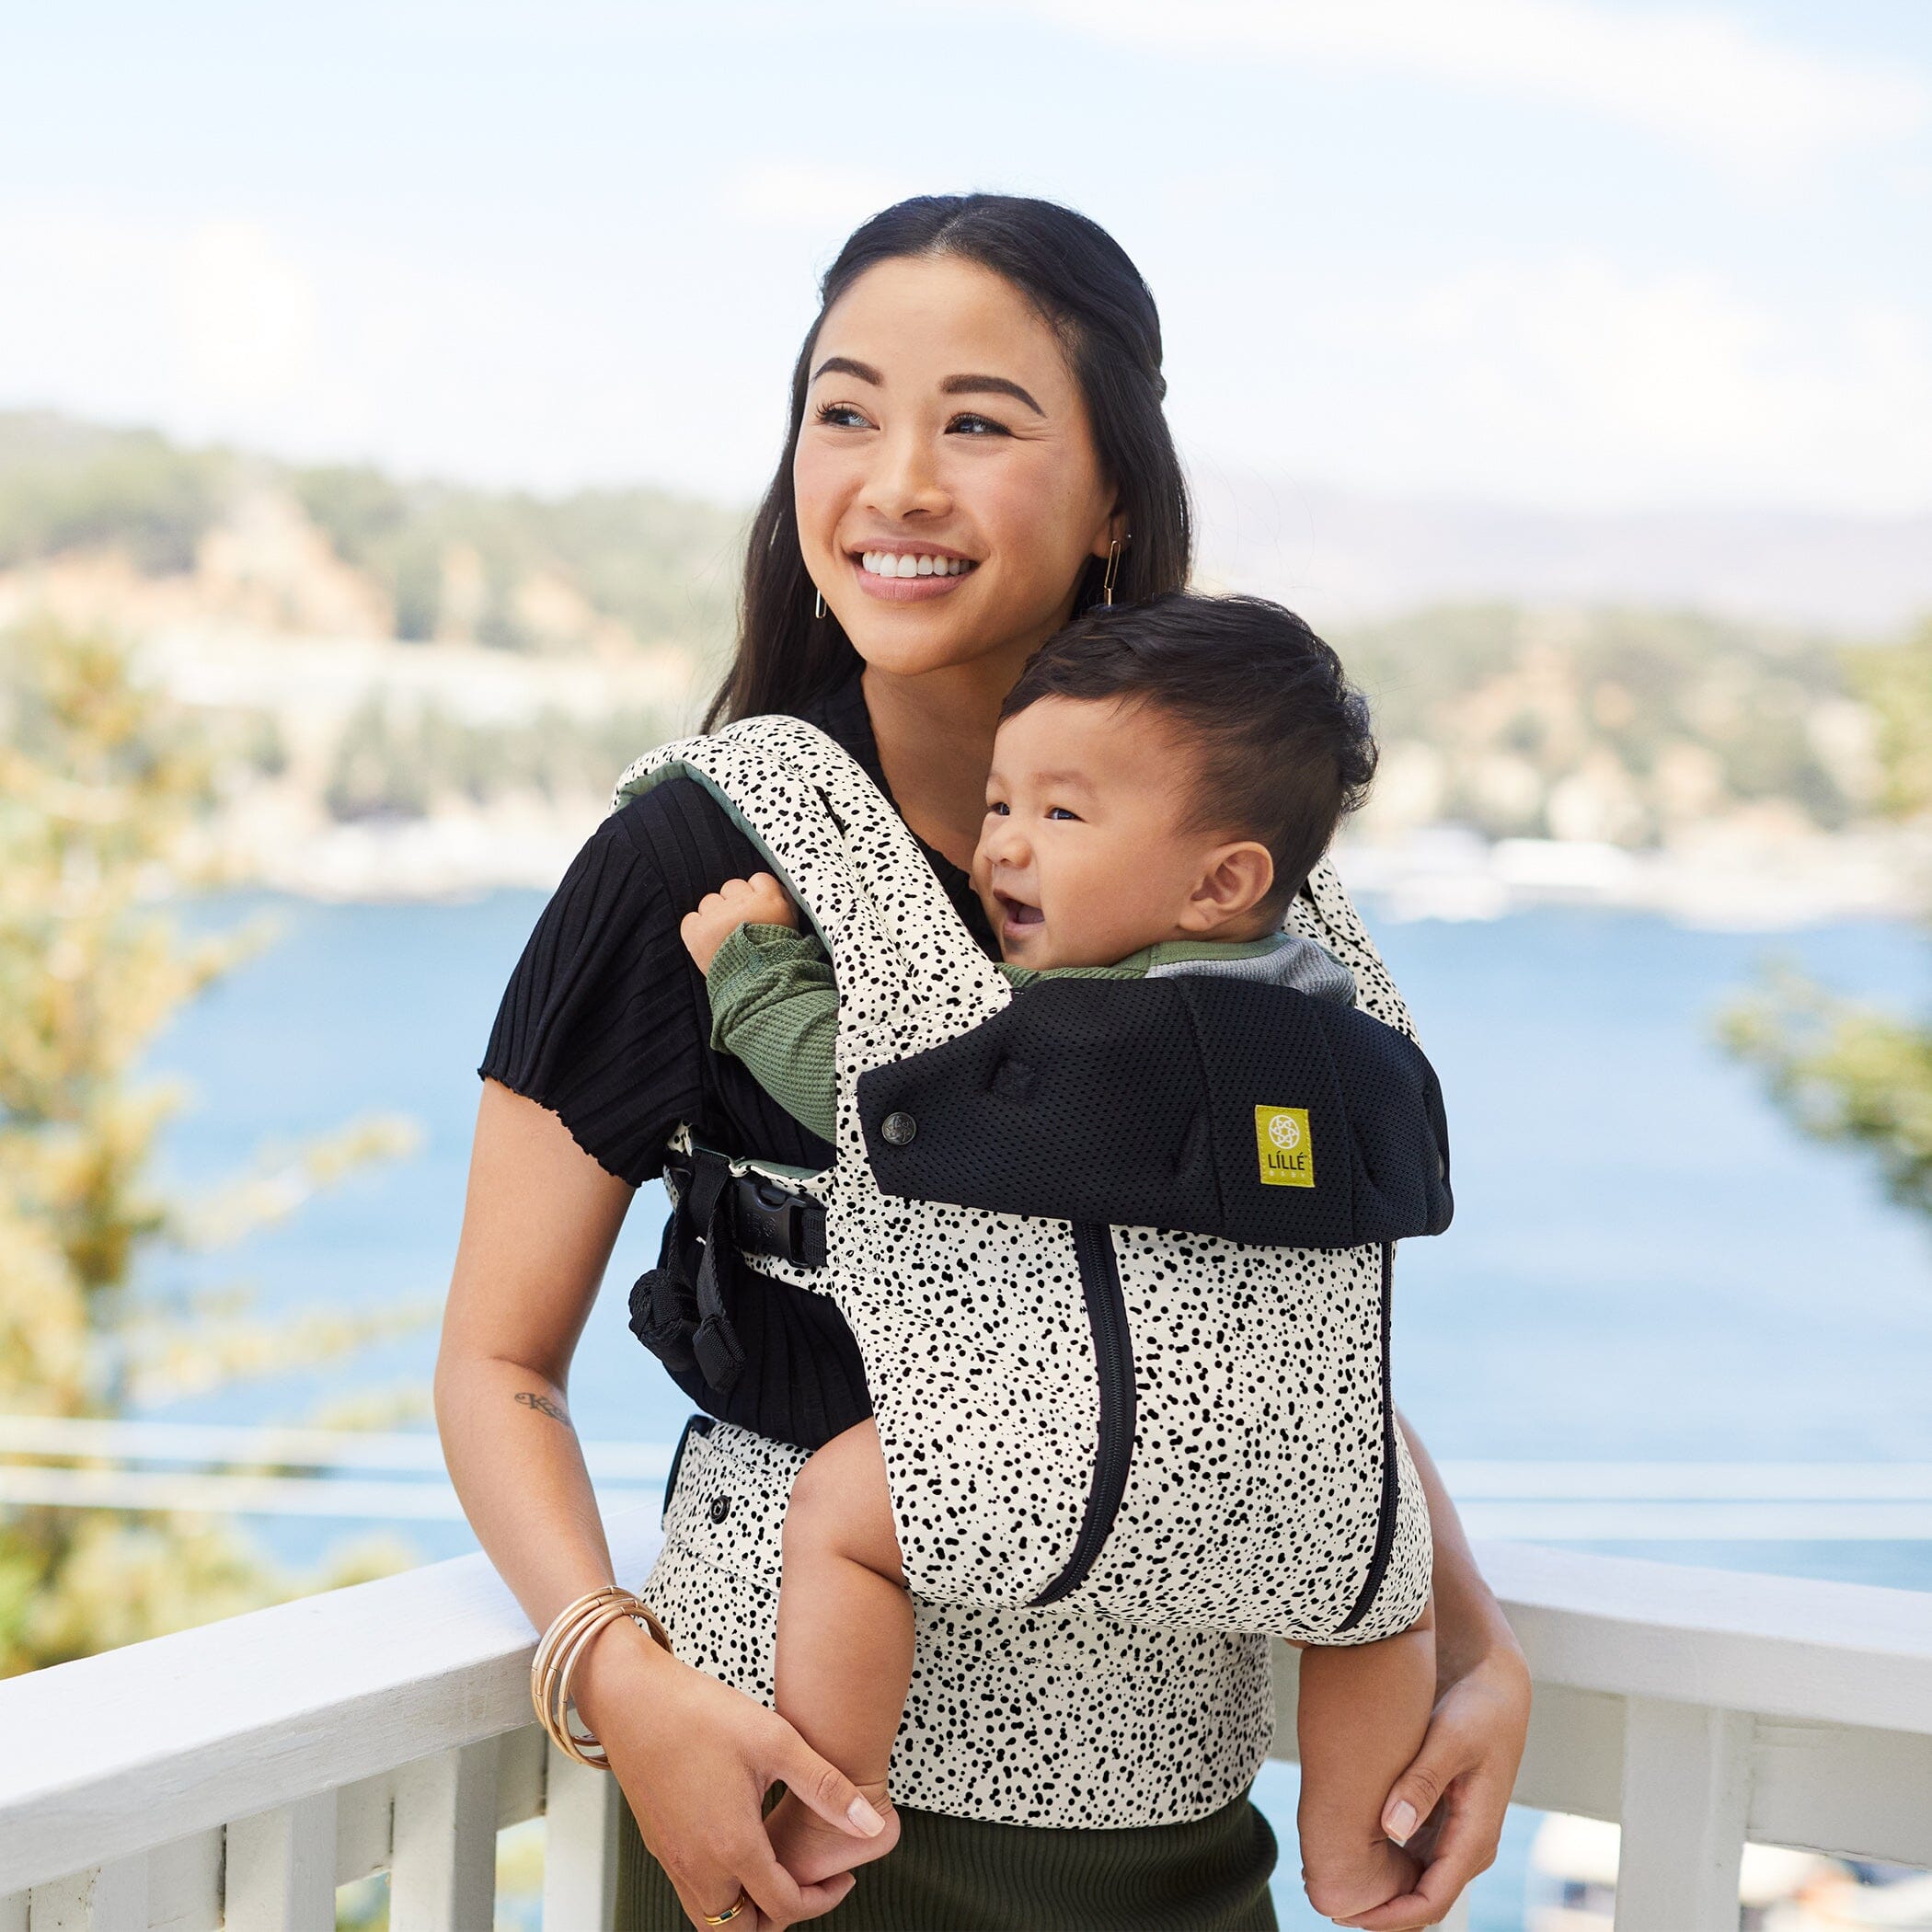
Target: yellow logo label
[{"x": 1281, "y": 1140}]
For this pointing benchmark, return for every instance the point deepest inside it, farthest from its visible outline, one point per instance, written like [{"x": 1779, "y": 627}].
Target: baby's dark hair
[{"x": 1285, "y": 749}]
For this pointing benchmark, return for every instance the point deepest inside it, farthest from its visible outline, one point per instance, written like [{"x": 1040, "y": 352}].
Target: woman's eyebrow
[
  {"x": 988, "y": 385},
  {"x": 845, "y": 365}
]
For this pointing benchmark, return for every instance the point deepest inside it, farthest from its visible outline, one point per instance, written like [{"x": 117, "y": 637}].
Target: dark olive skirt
[{"x": 961, "y": 1875}]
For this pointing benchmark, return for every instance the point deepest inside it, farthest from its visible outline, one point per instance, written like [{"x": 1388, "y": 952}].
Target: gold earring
[
  {"x": 1114, "y": 565},
  {"x": 818, "y": 602}
]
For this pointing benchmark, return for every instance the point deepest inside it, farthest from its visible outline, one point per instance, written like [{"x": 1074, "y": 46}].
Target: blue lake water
[{"x": 1646, "y": 1261}]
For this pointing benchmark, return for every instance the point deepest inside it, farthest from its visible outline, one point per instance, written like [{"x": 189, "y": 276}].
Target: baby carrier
[{"x": 1116, "y": 1253}]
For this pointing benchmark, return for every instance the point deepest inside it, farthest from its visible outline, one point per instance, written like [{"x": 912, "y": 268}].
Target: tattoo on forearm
[{"x": 544, "y": 1406}]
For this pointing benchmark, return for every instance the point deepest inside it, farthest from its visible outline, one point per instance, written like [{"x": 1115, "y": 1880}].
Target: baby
[{"x": 1164, "y": 778}]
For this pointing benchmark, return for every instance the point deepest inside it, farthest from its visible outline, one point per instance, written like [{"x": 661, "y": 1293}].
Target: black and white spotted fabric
[
  {"x": 1256, "y": 1493},
  {"x": 980, "y": 1357},
  {"x": 1043, "y": 1718}
]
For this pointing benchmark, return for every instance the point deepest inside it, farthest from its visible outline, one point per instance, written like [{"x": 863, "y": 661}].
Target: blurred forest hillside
[
  {"x": 1707, "y": 767},
  {"x": 430, "y": 688},
  {"x": 1634, "y": 726}
]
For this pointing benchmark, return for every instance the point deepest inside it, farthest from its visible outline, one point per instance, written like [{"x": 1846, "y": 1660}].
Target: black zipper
[
  {"x": 1385, "y": 1526},
  {"x": 694, "y": 1425},
  {"x": 1113, "y": 1364}
]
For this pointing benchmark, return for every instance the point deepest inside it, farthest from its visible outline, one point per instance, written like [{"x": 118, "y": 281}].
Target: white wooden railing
[
  {"x": 380, "y": 1476},
  {"x": 234, "y": 1774}
]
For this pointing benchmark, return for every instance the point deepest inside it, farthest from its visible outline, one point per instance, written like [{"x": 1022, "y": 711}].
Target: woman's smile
[{"x": 901, "y": 572}]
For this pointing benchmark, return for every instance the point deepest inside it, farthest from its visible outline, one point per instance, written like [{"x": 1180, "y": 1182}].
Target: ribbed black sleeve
[
  {"x": 605, "y": 1022},
  {"x": 605, "y": 1019},
  {"x": 596, "y": 1022}
]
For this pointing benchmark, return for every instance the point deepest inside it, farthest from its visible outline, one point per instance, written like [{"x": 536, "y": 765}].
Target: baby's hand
[
  {"x": 757, "y": 901},
  {"x": 1348, "y": 1866}
]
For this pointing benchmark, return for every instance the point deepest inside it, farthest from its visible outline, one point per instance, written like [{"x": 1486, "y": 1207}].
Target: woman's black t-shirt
[{"x": 604, "y": 1021}]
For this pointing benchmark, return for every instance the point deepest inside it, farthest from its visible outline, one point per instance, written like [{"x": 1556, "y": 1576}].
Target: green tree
[
  {"x": 69, "y": 486},
  {"x": 1844, "y": 1069},
  {"x": 103, "y": 786}
]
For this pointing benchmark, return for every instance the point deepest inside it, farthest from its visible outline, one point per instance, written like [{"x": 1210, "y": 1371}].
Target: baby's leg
[
  {"x": 1363, "y": 1710},
  {"x": 844, "y": 1656}
]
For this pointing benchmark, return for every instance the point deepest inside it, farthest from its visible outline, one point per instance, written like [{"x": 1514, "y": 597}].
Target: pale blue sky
[{"x": 1544, "y": 251}]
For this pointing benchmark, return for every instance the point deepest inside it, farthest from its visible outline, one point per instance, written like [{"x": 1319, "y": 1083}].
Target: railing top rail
[
  {"x": 1787, "y": 1647},
  {"x": 229, "y": 1718},
  {"x": 232, "y": 1716}
]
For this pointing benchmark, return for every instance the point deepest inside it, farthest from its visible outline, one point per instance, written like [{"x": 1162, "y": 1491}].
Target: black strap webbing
[
  {"x": 681, "y": 1310},
  {"x": 720, "y": 1355}
]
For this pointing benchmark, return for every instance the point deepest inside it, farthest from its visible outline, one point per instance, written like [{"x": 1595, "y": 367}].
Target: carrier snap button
[
  {"x": 720, "y": 1508},
  {"x": 899, "y": 1128}
]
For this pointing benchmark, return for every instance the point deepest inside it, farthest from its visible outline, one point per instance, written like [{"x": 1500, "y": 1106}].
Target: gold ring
[{"x": 731, "y": 1911}]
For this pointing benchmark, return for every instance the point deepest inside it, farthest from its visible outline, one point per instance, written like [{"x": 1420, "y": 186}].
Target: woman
[{"x": 983, "y": 388}]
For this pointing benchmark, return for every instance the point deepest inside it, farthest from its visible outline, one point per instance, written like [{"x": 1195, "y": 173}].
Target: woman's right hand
[{"x": 695, "y": 1758}]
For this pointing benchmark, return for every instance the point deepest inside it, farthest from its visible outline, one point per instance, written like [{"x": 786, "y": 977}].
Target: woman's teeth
[{"x": 892, "y": 563}]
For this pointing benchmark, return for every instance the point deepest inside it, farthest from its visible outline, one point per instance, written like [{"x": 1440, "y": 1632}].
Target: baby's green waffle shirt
[{"x": 775, "y": 1005}]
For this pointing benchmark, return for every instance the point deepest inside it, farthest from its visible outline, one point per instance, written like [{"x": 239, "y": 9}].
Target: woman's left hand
[{"x": 1448, "y": 1807}]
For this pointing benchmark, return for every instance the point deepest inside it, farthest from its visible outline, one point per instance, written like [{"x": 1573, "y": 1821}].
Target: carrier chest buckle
[{"x": 768, "y": 1218}]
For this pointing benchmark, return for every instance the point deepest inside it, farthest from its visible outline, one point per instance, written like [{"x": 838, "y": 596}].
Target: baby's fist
[{"x": 757, "y": 901}]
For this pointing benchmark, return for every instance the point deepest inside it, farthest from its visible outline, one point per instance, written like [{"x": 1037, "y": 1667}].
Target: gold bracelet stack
[{"x": 572, "y": 1631}]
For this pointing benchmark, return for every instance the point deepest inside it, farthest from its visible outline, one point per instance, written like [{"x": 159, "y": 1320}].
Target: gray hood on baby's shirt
[{"x": 1294, "y": 961}]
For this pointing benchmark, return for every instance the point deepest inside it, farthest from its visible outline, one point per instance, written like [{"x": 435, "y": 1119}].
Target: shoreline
[{"x": 1726, "y": 880}]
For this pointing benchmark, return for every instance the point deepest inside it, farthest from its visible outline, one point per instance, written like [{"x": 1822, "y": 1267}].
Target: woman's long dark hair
[{"x": 1080, "y": 280}]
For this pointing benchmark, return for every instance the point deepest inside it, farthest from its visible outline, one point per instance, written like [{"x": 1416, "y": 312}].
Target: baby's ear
[{"x": 1235, "y": 880}]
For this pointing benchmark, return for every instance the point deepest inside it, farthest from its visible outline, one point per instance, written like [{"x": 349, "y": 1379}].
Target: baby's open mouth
[{"x": 1018, "y": 913}]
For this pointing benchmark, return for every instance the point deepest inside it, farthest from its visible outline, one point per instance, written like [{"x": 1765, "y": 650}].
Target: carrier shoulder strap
[
  {"x": 909, "y": 972},
  {"x": 1327, "y": 913}
]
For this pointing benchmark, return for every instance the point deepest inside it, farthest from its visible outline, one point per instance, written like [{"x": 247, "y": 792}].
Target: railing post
[
  {"x": 1686, "y": 1794},
  {"x": 580, "y": 1822},
  {"x": 280, "y": 1868},
  {"x": 106, "y": 1898},
  {"x": 442, "y": 1874}
]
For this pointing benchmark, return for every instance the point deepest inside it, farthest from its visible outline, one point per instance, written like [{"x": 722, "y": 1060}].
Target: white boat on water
[{"x": 1573, "y": 1886}]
